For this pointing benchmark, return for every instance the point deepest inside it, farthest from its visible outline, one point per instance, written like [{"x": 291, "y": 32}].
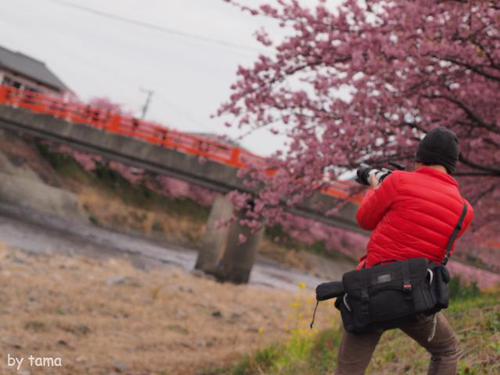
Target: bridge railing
[{"x": 77, "y": 112}]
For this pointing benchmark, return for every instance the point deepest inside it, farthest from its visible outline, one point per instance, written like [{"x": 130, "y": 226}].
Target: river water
[{"x": 34, "y": 232}]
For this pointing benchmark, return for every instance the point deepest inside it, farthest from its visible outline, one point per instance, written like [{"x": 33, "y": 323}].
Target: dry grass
[
  {"x": 315, "y": 264},
  {"x": 109, "y": 211},
  {"x": 105, "y": 317}
]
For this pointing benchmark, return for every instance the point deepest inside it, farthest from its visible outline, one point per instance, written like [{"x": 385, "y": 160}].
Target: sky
[{"x": 97, "y": 56}]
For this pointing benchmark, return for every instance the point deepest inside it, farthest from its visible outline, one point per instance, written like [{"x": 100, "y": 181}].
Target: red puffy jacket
[{"x": 412, "y": 215}]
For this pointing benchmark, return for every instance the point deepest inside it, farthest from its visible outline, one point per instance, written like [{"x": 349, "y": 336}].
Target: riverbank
[{"x": 106, "y": 316}]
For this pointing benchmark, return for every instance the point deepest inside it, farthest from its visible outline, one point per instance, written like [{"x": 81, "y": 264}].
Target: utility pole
[{"x": 145, "y": 107}]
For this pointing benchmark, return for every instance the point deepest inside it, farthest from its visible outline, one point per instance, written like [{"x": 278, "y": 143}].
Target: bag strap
[{"x": 454, "y": 235}]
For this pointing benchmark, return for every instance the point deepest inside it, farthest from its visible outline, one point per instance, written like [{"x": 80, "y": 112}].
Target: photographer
[{"x": 412, "y": 215}]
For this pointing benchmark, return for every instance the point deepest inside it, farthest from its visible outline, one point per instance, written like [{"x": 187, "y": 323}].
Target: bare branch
[{"x": 469, "y": 112}]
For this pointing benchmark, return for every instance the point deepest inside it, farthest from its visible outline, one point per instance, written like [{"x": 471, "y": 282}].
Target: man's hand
[{"x": 374, "y": 182}]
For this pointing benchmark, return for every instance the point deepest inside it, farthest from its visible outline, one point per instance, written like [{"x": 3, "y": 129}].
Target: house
[{"x": 21, "y": 71}]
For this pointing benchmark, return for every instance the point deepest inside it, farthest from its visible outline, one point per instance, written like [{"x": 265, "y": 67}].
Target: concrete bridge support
[
  {"x": 222, "y": 254},
  {"x": 214, "y": 241}
]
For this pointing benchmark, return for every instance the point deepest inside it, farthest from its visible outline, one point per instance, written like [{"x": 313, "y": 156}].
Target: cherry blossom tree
[
  {"x": 363, "y": 81},
  {"x": 103, "y": 103}
]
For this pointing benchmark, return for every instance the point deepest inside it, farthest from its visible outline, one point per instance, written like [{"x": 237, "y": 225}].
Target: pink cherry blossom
[{"x": 364, "y": 81}]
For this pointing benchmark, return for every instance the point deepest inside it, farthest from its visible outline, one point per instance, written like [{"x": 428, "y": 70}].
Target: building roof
[{"x": 30, "y": 68}]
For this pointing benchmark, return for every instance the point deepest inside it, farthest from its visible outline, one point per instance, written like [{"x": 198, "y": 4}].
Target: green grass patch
[
  {"x": 64, "y": 165},
  {"x": 474, "y": 316},
  {"x": 461, "y": 290}
]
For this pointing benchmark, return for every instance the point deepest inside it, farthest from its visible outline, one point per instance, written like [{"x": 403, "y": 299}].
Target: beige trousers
[{"x": 356, "y": 351}]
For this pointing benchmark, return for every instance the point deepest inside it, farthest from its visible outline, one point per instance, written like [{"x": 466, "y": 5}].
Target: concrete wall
[{"x": 20, "y": 186}]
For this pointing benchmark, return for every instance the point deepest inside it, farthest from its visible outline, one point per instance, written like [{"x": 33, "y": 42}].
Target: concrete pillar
[
  {"x": 221, "y": 254},
  {"x": 214, "y": 241},
  {"x": 239, "y": 258}
]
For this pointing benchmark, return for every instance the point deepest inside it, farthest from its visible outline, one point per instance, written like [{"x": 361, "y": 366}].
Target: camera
[{"x": 365, "y": 171}]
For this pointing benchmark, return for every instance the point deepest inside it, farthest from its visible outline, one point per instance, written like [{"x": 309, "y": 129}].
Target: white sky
[{"x": 100, "y": 57}]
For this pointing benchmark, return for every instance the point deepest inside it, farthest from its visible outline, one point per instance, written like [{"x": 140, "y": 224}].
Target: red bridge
[{"x": 115, "y": 123}]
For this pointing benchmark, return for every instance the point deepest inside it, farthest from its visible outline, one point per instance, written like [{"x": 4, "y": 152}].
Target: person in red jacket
[{"x": 412, "y": 215}]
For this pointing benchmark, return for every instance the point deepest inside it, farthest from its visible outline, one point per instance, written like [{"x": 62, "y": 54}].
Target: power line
[
  {"x": 167, "y": 30},
  {"x": 180, "y": 110}
]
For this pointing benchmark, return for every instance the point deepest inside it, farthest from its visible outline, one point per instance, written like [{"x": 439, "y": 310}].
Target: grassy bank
[
  {"x": 112, "y": 202},
  {"x": 476, "y": 319},
  {"x": 104, "y": 316}
]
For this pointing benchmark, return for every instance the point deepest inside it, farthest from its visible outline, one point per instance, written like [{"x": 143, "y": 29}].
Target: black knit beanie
[{"x": 439, "y": 146}]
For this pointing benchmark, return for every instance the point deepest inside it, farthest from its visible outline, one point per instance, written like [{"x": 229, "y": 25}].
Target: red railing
[{"x": 78, "y": 112}]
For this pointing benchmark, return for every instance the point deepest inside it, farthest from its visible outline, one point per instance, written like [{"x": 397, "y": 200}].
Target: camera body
[{"x": 366, "y": 171}]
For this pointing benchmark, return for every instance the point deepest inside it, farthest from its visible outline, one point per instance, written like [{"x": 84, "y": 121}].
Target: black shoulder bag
[{"x": 389, "y": 295}]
